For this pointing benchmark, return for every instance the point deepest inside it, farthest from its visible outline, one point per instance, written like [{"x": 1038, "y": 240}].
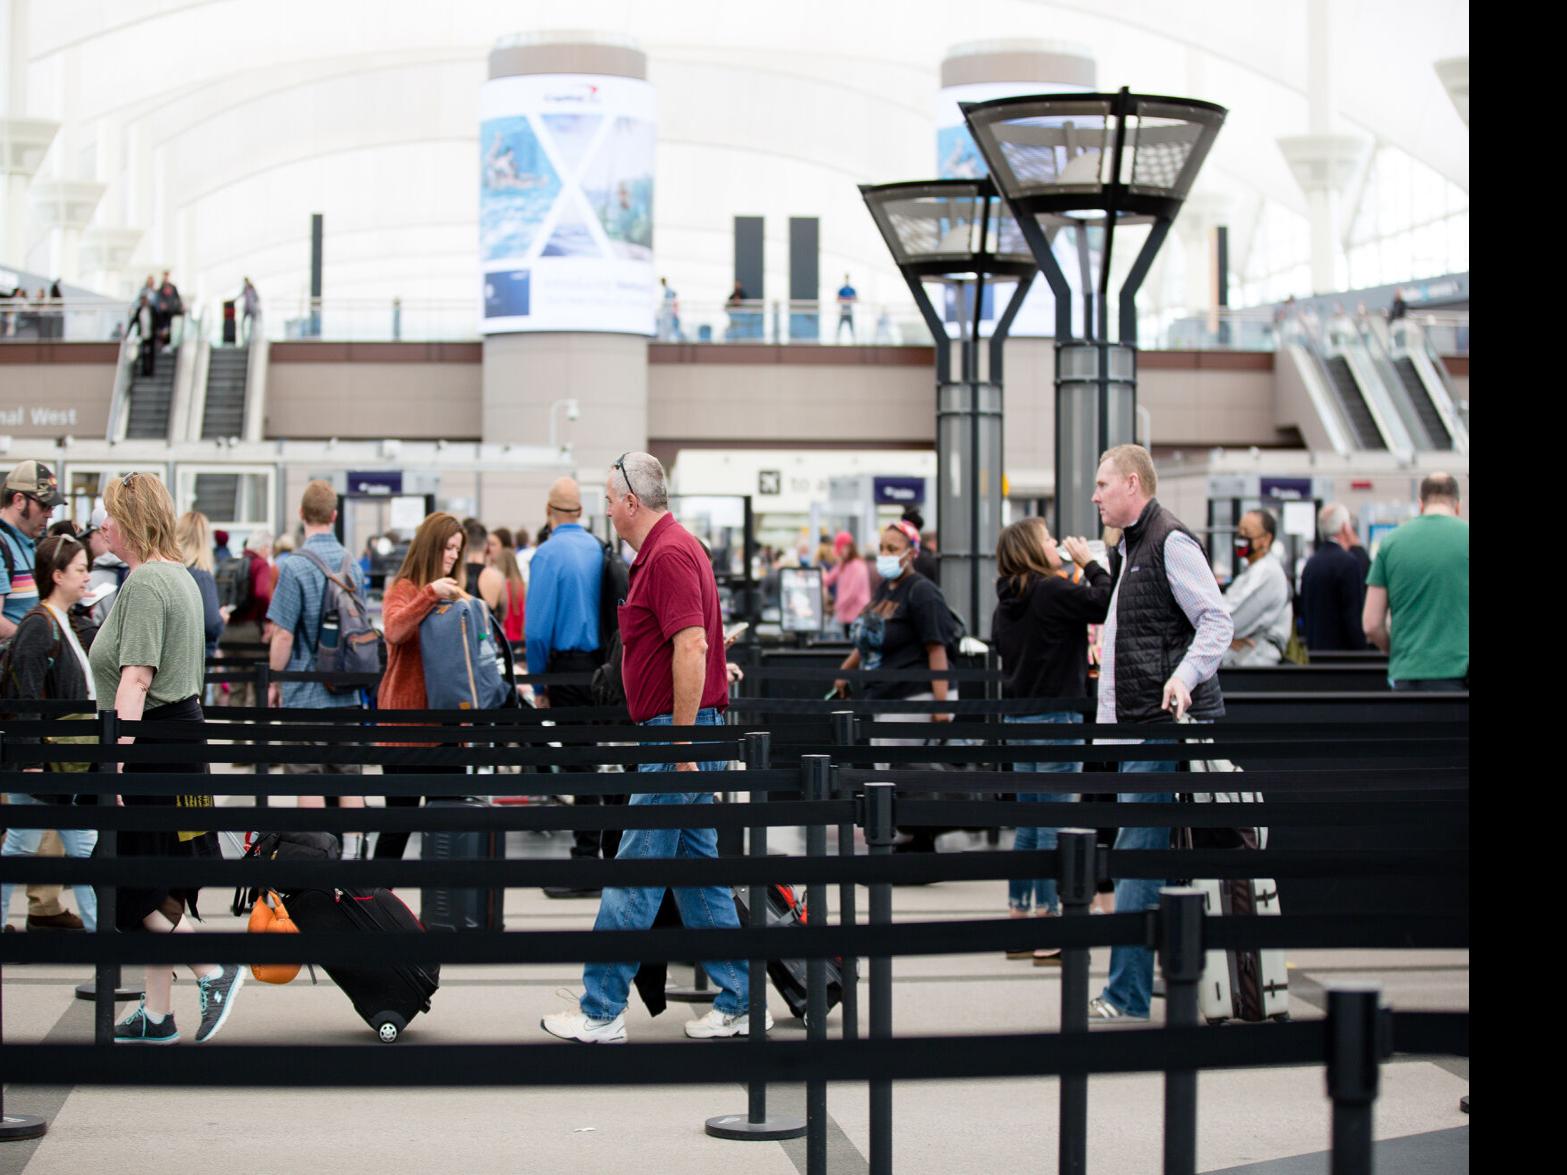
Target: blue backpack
[{"x": 458, "y": 647}]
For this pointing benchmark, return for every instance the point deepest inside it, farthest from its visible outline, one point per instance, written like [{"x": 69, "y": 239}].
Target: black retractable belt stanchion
[
  {"x": 755, "y": 1126},
  {"x": 263, "y": 691},
  {"x": 1079, "y": 874},
  {"x": 109, "y": 975},
  {"x": 1353, "y": 1056},
  {"x": 15, "y": 1127},
  {"x": 1180, "y": 961},
  {"x": 845, "y": 733},
  {"x": 879, "y": 824},
  {"x": 816, "y": 777}
]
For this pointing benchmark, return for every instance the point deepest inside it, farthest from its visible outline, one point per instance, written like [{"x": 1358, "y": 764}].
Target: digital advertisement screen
[
  {"x": 800, "y": 592},
  {"x": 566, "y": 203}
]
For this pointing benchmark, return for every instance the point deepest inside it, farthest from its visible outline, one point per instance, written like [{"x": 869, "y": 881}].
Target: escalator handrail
[
  {"x": 1375, "y": 343},
  {"x": 1306, "y": 330}
]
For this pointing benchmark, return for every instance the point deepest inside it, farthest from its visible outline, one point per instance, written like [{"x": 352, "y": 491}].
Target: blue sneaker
[
  {"x": 217, "y": 997},
  {"x": 137, "y": 1029}
]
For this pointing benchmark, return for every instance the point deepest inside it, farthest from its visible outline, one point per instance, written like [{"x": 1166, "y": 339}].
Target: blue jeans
[
  {"x": 24, "y": 842},
  {"x": 1131, "y": 968},
  {"x": 608, "y": 985},
  {"x": 1042, "y": 889}
]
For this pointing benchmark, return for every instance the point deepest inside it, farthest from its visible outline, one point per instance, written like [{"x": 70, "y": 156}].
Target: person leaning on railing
[
  {"x": 424, "y": 579},
  {"x": 47, "y": 660},
  {"x": 147, "y": 663}
]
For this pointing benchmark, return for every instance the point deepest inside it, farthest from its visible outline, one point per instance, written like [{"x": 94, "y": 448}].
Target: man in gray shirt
[{"x": 1259, "y": 597}]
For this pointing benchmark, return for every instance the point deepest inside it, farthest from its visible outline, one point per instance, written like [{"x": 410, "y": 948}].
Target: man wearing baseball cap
[{"x": 30, "y": 495}]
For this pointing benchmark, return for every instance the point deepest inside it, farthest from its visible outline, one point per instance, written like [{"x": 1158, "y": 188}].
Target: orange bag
[{"x": 270, "y": 916}]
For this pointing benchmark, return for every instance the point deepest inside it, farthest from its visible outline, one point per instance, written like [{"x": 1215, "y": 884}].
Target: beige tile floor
[{"x": 1245, "y": 1117}]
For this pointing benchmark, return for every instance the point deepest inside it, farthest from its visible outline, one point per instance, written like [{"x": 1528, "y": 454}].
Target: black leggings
[{"x": 392, "y": 844}]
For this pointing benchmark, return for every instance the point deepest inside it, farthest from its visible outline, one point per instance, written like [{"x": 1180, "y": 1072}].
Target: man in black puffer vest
[{"x": 1163, "y": 639}]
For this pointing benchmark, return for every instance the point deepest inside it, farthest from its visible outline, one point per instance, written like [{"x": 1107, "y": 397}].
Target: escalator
[
  {"x": 1352, "y": 403},
  {"x": 217, "y": 495},
  {"x": 1420, "y": 398},
  {"x": 150, "y": 399},
  {"x": 223, "y": 415}
]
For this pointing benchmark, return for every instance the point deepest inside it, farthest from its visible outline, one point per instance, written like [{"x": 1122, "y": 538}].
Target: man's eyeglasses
[{"x": 620, "y": 464}]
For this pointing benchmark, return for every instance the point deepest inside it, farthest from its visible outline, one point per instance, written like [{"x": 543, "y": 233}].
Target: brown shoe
[{"x": 65, "y": 920}]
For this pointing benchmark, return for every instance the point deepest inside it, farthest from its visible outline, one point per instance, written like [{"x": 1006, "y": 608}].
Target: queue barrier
[{"x": 1351, "y": 1043}]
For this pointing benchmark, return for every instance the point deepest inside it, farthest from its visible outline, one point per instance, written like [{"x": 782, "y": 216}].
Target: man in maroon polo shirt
[{"x": 674, "y": 673}]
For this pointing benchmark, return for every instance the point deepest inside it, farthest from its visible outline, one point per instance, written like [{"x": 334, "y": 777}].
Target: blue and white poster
[
  {"x": 958, "y": 157},
  {"x": 566, "y": 204}
]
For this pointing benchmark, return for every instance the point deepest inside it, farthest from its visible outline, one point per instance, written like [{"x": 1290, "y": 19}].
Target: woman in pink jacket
[{"x": 851, "y": 577}]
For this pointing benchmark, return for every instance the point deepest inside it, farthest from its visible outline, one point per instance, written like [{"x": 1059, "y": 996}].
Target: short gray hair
[
  {"x": 1331, "y": 519},
  {"x": 647, "y": 480},
  {"x": 256, "y": 540}
]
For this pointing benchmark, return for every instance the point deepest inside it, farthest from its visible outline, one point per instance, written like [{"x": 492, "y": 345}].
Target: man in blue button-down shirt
[{"x": 565, "y": 579}]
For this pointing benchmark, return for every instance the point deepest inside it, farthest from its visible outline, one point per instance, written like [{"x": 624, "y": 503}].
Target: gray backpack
[{"x": 346, "y": 642}]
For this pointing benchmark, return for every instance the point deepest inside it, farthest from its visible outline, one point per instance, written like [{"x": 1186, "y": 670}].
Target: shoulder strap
[
  {"x": 5, "y": 549},
  {"x": 321, "y": 564}
]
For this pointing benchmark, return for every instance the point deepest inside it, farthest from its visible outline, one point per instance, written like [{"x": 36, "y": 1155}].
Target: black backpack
[
  {"x": 233, "y": 576},
  {"x": 608, "y": 688},
  {"x": 613, "y": 588}
]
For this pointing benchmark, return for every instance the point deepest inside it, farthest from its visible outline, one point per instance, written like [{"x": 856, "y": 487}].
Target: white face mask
[{"x": 889, "y": 566}]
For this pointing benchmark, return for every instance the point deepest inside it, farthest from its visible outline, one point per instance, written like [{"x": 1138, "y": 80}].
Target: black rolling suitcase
[
  {"x": 386, "y": 998},
  {"x": 445, "y": 908},
  {"x": 788, "y": 975}
]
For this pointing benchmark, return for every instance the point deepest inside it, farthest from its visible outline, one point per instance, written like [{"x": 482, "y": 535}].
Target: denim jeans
[
  {"x": 1131, "y": 968},
  {"x": 24, "y": 842},
  {"x": 1042, "y": 889},
  {"x": 608, "y": 985}
]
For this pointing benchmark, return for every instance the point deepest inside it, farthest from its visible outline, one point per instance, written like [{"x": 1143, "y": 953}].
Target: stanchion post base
[
  {"x": 20, "y": 1127},
  {"x": 122, "y": 995},
  {"x": 740, "y": 1128}
]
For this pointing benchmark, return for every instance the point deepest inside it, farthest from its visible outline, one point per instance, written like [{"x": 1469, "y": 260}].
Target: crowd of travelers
[
  {"x": 39, "y": 315},
  {"x": 125, "y": 613}
]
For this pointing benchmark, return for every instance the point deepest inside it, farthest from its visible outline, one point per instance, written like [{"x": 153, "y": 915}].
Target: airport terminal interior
[{"x": 1013, "y": 362}]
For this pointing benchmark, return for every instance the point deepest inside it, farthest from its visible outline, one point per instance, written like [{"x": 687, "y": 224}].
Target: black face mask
[{"x": 1242, "y": 547}]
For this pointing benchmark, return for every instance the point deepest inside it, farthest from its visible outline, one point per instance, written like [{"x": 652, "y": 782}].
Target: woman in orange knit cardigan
[{"x": 424, "y": 578}]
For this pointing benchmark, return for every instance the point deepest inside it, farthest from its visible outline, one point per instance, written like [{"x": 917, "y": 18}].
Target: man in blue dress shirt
[{"x": 565, "y": 581}]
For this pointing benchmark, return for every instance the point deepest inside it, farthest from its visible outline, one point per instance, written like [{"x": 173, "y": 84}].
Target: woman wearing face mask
[
  {"x": 907, "y": 625},
  {"x": 424, "y": 578},
  {"x": 1040, "y": 630}
]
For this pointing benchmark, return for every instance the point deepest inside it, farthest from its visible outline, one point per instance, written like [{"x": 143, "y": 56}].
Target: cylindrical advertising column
[
  {"x": 978, "y": 72},
  {"x": 566, "y": 149}
]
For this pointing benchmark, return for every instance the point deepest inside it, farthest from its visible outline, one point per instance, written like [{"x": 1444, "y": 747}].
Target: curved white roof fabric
[{"x": 219, "y": 126}]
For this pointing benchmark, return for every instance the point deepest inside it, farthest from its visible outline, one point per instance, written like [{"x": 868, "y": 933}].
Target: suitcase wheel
[{"x": 388, "y": 1026}]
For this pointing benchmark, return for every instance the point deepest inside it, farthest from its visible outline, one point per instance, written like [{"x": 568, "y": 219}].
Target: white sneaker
[
  {"x": 718, "y": 1024},
  {"x": 579, "y": 1026}
]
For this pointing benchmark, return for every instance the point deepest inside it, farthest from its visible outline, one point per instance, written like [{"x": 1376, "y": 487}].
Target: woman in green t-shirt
[{"x": 147, "y": 664}]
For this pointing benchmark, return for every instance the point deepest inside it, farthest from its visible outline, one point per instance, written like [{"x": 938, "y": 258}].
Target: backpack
[
  {"x": 471, "y": 680},
  {"x": 614, "y": 586},
  {"x": 10, "y": 689},
  {"x": 608, "y": 688},
  {"x": 346, "y": 641},
  {"x": 233, "y": 576}
]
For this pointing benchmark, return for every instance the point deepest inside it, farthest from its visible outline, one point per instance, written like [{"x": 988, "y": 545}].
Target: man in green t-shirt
[{"x": 1421, "y": 577}]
